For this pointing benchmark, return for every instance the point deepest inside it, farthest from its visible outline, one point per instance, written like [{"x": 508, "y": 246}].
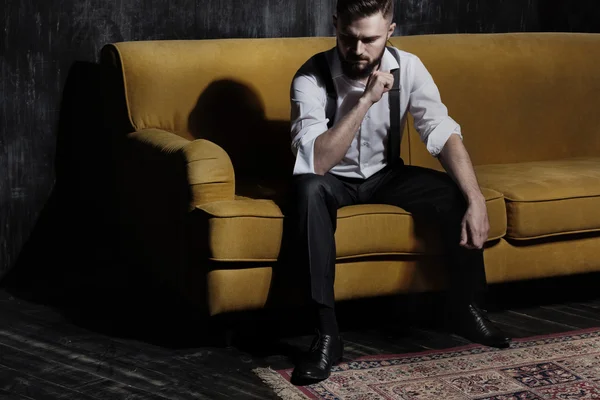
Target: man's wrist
[
  {"x": 475, "y": 198},
  {"x": 363, "y": 101}
]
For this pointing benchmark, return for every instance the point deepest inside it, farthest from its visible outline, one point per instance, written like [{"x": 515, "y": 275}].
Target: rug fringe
[{"x": 284, "y": 389}]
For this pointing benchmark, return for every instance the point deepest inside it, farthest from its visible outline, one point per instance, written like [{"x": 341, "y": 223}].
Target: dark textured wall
[{"x": 40, "y": 41}]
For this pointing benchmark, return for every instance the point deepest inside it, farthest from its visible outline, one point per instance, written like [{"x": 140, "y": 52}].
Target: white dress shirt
[{"x": 367, "y": 154}]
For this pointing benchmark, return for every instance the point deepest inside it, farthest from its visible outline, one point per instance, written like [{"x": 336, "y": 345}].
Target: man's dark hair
[{"x": 350, "y": 10}]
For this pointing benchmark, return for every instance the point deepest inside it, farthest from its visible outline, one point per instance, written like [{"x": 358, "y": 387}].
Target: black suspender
[
  {"x": 325, "y": 73},
  {"x": 393, "y": 145}
]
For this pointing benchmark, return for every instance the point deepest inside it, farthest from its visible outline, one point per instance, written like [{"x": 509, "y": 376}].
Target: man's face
[{"x": 361, "y": 43}]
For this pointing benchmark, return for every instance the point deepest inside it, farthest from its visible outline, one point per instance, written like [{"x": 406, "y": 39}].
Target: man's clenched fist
[{"x": 378, "y": 84}]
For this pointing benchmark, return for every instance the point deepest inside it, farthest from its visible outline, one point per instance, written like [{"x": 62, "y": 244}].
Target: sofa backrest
[
  {"x": 518, "y": 97},
  {"x": 164, "y": 79}
]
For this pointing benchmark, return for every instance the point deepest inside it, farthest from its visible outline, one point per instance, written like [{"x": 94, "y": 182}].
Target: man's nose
[{"x": 359, "y": 47}]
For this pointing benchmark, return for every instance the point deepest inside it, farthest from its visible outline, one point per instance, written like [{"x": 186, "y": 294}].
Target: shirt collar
[{"x": 388, "y": 63}]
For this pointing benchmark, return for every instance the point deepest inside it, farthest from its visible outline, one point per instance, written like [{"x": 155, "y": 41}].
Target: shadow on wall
[
  {"x": 232, "y": 115},
  {"x": 74, "y": 260},
  {"x": 71, "y": 244}
]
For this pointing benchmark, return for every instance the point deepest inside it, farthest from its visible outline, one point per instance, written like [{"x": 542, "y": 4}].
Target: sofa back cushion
[
  {"x": 518, "y": 97},
  {"x": 165, "y": 79}
]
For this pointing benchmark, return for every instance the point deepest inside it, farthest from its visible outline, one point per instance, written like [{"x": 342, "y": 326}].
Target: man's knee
[
  {"x": 303, "y": 188},
  {"x": 307, "y": 186}
]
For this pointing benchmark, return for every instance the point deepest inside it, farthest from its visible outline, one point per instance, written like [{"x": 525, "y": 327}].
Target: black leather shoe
[
  {"x": 472, "y": 323},
  {"x": 324, "y": 352}
]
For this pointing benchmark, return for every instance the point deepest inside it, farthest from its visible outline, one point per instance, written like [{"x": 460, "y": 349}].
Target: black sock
[{"x": 327, "y": 321}]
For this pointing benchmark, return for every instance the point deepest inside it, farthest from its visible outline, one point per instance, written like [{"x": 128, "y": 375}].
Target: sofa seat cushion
[
  {"x": 547, "y": 198},
  {"x": 251, "y": 229}
]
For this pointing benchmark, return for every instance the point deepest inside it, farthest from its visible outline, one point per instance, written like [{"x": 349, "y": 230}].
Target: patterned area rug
[{"x": 565, "y": 367}]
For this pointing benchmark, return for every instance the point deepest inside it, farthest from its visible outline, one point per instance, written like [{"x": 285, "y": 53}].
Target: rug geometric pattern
[{"x": 564, "y": 366}]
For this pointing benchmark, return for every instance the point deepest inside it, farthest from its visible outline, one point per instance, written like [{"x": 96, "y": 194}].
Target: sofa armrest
[
  {"x": 171, "y": 161},
  {"x": 161, "y": 177}
]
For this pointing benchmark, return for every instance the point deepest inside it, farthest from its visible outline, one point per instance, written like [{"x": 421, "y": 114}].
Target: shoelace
[
  {"x": 315, "y": 344},
  {"x": 482, "y": 312}
]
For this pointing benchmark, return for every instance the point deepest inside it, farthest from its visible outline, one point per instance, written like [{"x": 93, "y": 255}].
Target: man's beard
[{"x": 351, "y": 68}]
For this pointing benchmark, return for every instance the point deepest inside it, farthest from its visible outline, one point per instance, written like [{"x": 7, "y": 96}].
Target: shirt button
[{"x": 366, "y": 144}]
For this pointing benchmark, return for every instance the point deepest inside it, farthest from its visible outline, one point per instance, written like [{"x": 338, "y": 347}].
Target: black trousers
[{"x": 311, "y": 213}]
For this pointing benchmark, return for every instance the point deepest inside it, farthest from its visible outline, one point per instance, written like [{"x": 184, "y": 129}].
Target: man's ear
[{"x": 391, "y": 30}]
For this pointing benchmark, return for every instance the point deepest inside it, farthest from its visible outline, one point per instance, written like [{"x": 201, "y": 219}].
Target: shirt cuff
[
  {"x": 305, "y": 153},
  {"x": 440, "y": 135}
]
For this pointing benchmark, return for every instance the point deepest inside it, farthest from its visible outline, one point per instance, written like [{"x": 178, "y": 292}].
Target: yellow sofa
[{"x": 204, "y": 152}]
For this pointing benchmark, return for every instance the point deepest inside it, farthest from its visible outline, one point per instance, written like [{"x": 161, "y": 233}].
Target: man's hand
[
  {"x": 475, "y": 226},
  {"x": 379, "y": 83}
]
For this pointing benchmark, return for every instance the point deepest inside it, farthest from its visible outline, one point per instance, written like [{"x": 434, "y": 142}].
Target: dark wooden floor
[{"x": 107, "y": 345}]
